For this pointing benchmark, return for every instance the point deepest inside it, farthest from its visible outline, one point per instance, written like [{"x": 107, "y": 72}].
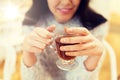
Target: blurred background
[{"x": 12, "y": 13}]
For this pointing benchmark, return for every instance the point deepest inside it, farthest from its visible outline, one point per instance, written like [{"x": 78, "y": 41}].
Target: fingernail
[
  {"x": 70, "y": 30},
  {"x": 50, "y": 35},
  {"x": 67, "y": 53},
  {"x": 62, "y": 40},
  {"x": 61, "y": 48}
]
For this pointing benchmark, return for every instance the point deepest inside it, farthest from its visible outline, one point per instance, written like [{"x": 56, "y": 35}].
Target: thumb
[{"x": 51, "y": 28}]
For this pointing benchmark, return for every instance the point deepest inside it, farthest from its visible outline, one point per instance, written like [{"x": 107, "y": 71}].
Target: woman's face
[{"x": 63, "y": 10}]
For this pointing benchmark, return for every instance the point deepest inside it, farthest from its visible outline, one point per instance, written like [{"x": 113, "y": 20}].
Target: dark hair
[{"x": 86, "y": 15}]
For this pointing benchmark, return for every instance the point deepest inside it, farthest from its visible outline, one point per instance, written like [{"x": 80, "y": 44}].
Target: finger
[
  {"x": 43, "y": 32},
  {"x": 28, "y": 47},
  {"x": 35, "y": 50},
  {"x": 37, "y": 44},
  {"x": 77, "y": 30},
  {"x": 36, "y": 37},
  {"x": 88, "y": 52},
  {"x": 51, "y": 28},
  {"x": 78, "y": 47},
  {"x": 76, "y": 39}
]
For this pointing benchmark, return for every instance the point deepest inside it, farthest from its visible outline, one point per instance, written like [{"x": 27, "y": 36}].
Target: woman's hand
[
  {"x": 86, "y": 44},
  {"x": 36, "y": 42}
]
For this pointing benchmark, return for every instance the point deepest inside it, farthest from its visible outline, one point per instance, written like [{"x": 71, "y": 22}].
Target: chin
[{"x": 62, "y": 21}]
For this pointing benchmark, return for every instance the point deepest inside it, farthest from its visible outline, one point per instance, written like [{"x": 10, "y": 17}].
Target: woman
[{"x": 52, "y": 16}]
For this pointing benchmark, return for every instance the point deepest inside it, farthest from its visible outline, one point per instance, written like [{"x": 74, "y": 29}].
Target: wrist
[
  {"x": 91, "y": 63},
  {"x": 29, "y": 59}
]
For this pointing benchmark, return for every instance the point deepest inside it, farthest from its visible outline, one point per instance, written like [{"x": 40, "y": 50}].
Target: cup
[{"x": 65, "y": 62}]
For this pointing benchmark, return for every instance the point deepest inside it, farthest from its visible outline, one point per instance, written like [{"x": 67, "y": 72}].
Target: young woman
[{"x": 50, "y": 17}]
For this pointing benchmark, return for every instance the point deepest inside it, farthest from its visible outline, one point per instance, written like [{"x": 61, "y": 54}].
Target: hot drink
[{"x": 62, "y": 53}]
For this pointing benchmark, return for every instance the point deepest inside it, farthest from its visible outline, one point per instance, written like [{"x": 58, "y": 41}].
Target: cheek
[
  {"x": 51, "y": 6},
  {"x": 77, "y": 3},
  {"x": 52, "y": 9}
]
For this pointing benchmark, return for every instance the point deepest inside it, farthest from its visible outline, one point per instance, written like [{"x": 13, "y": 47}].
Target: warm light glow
[{"x": 11, "y": 12}]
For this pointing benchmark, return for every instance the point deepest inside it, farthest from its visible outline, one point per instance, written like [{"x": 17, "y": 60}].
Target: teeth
[{"x": 65, "y": 9}]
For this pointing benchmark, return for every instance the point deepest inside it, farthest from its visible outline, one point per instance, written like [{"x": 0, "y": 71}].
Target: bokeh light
[{"x": 11, "y": 11}]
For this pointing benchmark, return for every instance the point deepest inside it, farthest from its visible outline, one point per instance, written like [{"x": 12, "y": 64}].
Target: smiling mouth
[{"x": 65, "y": 10}]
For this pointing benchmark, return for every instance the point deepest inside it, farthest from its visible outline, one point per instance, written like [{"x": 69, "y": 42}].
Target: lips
[{"x": 64, "y": 10}]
